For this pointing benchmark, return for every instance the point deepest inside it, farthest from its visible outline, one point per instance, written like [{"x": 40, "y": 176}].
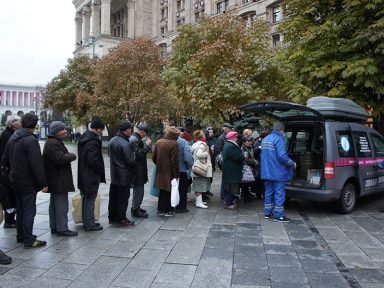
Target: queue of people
[{"x": 247, "y": 166}]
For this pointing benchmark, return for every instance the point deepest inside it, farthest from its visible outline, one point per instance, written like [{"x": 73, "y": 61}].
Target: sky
[{"x": 37, "y": 38}]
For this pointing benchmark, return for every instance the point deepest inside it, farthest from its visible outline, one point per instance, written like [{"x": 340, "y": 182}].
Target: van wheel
[{"x": 347, "y": 201}]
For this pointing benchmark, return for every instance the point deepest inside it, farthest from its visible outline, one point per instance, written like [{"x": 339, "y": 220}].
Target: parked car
[{"x": 338, "y": 157}]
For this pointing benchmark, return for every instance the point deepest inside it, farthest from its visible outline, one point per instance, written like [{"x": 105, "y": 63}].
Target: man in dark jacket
[
  {"x": 27, "y": 177},
  {"x": 122, "y": 158},
  {"x": 57, "y": 163},
  {"x": 91, "y": 171},
  {"x": 13, "y": 123},
  {"x": 166, "y": 159},
  {"x": 141, "y": 169}
]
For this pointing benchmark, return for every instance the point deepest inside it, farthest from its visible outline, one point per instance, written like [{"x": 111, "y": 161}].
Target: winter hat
[
  {"x": 227, "y": 125},
  {"x": 56, "y": 126},
  {"x": 231, "y": 135},
  {"x": 125, "y": 125},
  {"x": 278, "y": 126},
  {"x": 143, "y": 127},
  {"x": 97, "y": 124}
]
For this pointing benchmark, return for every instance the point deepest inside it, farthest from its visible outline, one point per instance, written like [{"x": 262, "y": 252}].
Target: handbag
[
  {"x": 77, "y": 214},
  {"x": 152, "y": 189},
  {"x": 175, "y": 196},
  {"x": 199, "y": 168},
  {"x": 247, "y": 174}
]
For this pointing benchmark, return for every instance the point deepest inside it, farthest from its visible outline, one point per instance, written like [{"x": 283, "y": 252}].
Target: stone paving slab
[{"x": 210, "y": 247}]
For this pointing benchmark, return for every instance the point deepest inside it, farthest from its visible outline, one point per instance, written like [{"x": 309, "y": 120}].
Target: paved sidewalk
[{"x": 207, "y": 248}]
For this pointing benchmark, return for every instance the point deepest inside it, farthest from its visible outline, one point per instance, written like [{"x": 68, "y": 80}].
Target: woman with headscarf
[{"x": 201, "y": 184}]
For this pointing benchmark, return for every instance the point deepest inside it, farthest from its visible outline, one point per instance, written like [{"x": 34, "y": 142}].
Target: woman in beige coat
[{"x": 200, "y": 152}]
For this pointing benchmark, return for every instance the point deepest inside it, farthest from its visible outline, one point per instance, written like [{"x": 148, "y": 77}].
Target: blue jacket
[
  {"x": 275, "y": 163},
  {"x": 185, "y": 155}
]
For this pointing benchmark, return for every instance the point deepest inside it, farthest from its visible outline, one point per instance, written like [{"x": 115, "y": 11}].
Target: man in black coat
[
  {"x": 91, "y": 171},
  {"x": 57, "y": 162},
  {"x": 13, "y": 123},
  {"x": 27, "y": 177},
  {"x": 141, "y": 169},
  {"x": 122, "y": 158}
]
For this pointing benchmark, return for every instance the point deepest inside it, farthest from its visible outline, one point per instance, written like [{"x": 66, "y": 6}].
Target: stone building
[{"x": 102, "y": 24}]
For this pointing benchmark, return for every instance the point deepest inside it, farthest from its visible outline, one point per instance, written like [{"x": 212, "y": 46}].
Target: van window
[
  {"x": 378, "y": 143},
  {"x": 301, "y": 143},
  {"x": 362, "y": 144},
  {"x": 344, "y": 144}
]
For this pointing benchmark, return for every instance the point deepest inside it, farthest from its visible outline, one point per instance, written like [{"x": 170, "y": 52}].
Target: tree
[
  {"x": 221, "y": 64},
  {"x": 336, "y": 48},
  {"x": 128, "y": 84},
  {"x": 71, "y": 90}
]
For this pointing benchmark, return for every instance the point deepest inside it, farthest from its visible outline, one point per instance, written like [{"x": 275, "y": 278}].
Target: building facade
[
  {"x": 18, "y": 99},
  {"x": 102, "y": 24}
]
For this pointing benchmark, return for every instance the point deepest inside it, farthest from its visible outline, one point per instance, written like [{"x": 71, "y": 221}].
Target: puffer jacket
[{"x": 275, "y": 163}]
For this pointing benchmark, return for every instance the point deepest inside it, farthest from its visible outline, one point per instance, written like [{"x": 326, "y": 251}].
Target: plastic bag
[
  {"x": 77, "y": 214},
  {"x": 175, "y": 196},
  {"x": 152, "y": 189}
]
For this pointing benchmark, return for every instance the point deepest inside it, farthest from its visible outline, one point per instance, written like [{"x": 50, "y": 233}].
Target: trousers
[
  {"x": 58, "y": 212},
  {"x": 26, "y": 211},
  {"x": 183, "y": 190},
  {"x": 118, "y": 202},
  {"x": 138, "y": 195},
  {"x": 88, "y": 209},
  {"x": 274, "y": 198}
]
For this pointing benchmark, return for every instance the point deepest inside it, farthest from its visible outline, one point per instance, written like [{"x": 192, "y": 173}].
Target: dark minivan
[{"x": 338, "y": 158}]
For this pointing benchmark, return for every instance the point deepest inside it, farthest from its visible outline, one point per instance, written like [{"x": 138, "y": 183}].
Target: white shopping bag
[{"x": 175, "y": 197}]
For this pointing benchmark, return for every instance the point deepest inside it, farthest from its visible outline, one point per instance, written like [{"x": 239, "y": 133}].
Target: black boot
[{"x": 138, "y": 213}]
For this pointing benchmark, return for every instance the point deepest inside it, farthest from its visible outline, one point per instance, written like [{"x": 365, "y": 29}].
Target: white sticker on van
[
  {"x": 370, "y": 183},
  {"x": 345, "y": 143}
]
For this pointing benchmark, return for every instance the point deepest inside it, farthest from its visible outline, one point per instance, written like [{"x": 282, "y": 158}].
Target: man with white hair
[{"x": 13, "y": 123}]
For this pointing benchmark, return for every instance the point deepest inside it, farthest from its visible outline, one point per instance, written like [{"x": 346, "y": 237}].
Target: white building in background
[
  {"x": 18, "y": 99},
  {"x": 103, "y": 24}
]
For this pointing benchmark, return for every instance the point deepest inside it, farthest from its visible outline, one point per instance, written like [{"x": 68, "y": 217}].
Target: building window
[
  {"x": 197, "y": 17},
  {"x": 163, "y": 49},
  {"x": 219, "y": 7},
  {"x": 276, "y": 41},
  {"x": 180, "y": 5},
  {"x": 180, "y": 21},
  {"x": 276, "y": 12},
  {"x": 118, "y": 23},
  {"x": 164, "y": 13},
  {"x": 163, "y": 30}
]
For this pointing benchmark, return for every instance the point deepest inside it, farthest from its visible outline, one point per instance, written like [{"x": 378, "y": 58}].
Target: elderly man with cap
[
  {"x": 122, "y": 156},
  {"x": 276, "y": 169},
  {"x": 57, "y": 164},
  {"x": 91, "y": 171},
  {"x": 233, "y": 159},
  {"x": 141, "y": 169}
]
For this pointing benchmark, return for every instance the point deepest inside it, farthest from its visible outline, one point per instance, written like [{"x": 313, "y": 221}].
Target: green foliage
[
  {"x": 220, "y": 64},
  {"x": 336, "y": 48}
]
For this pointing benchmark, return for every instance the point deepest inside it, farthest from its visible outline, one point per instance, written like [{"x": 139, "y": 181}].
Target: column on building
[
  {"x": 95, "y": 17},
  {"x": 2, "y": 98},
  {"x": 188, "y": 11},
  {"x": 86, "y": 23},
  {"x": 79, "y": 28},
  {"x": 155, "y": 18},
  {"x": 171, "y": 15},
  {"x": 131, "y": 19},
  {"x": 208, "y": 7},
  {"x": 31, "y": 95},
  {"x": 105, "y": 17}
]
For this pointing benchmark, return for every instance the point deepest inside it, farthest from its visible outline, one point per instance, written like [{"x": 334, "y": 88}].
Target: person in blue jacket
[{"x": 276, "y": 169}]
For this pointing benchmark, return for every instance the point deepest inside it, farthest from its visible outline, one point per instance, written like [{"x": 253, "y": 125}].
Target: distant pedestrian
[
  {"x": 27, "y": 177},
  {"x": 141, "y": 170},
  {"x": 57, "y": 163},
  {"x": 250, "y": 160},
  {"x": 122, "y": 157},
  {"x": 276, "y": 169},
  {"x": 232, "y": 168},
  {"x": 185, "y": 164},
  {"x": 13, "y": 123},
  {"x": 201, "y": 184},
  {"x": 166, "y": 159},
  {"x": 91, "y": 171}
]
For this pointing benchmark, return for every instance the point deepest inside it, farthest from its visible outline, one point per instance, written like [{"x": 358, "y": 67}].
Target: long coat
[
  {"x": 91, "y": 164},
  {"x": 4, "y": 137},
  {"x": 232, "y": 166},
  {"x": 141, "y": 152},
  {"x": 166, "y": 157},
  {"x": 200, "y": 152},
  {"x": 122, "y": 158},
  {"x": 57, "y": 163}
]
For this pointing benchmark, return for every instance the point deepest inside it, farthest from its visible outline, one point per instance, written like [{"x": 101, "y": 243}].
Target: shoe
[
  {"x": 282, "y": 220},
  {"x": 67, "y": 233},
  {"x": 231, "y": 207},
  {"x": 381, "y": 210},
  {"x": 53, "y": 231},
  {"x": 143, "y": 210},
  {"x": 4, "y": 259},
  {"x": 19, "y": 241},
  {"x": 205, "y": 197},
  {"x": 169, "y": 214},
  {"x": 126, "y": 223},
  {"x": 9, "y": 225},
  {"x": 97, "y": 224},
  {"x": 199, "y": 202},
  {"x": 209, "y": 193},
  {"x": 36, "y": 244},
  {"x": 182, "y": 210},
  {"x": 93, "y": 228},
  {"x": 138, "y": 213},
  {"x": 268, "y": 216}
]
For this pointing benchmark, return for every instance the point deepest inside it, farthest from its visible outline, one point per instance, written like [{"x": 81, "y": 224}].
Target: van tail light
[{"x": 329, "y": 170}]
